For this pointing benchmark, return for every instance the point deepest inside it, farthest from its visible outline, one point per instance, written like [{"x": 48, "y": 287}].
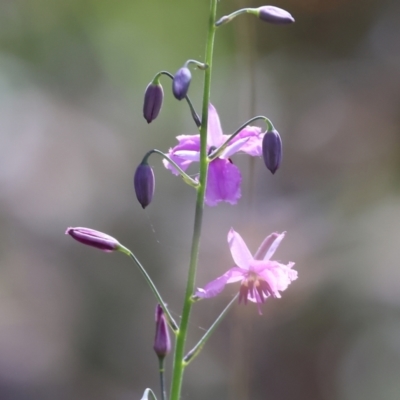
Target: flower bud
[
  {"x": 162, "y": 341},
  {"x": 181, "y": 82},
  {"x": 144, "y": 184},
  {"x": 94, "y": 238},
  {"x": 272, "y": 150},
  {"x": 146, "y": 394},
  {"x": 153, "y": 98},
  {"x": 274, "y": 15}
]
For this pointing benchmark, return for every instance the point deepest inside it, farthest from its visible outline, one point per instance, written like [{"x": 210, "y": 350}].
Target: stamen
[
  {"x": 243, "y": 293},
  {"x": 261, "y": 294}
]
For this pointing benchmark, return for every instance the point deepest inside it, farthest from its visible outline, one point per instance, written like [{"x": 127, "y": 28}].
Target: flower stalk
[
  {"x": 192, "y": 354},
  {"x": 187, "y": 179},
  {"x": 161, "y": 368},
  {"x": 195, "y": 116},
  {"x": 270, "y": 14},
  {"x": 178, "y": 364},
  {"x": 218, "y": 180},
  {"x": 217, "y": 152},
  {"x": 170, "y": 319},
  {"x": 162, "y": 346}
]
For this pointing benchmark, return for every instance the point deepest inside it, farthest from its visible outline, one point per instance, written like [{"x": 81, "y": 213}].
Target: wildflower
[
  {"x": 272, "y": 150},
  {"x": 162, "y": 341},
  {"x": 260, "y": 276},
  {"x": 181, "y": 82},
  {"x": 153, "y": 98},
  {"x": 224, "y": 178},
  {"x": 274, "y": 15},
  {"x": 94, "y": 238},
  {"x": 144, "y": 182}
]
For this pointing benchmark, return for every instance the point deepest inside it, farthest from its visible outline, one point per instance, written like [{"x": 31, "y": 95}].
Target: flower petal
[
  {"x": 223, "y": 182},
  {"x": 214, "y": 134},
  {"x": 236, "y": 274},
  {"x": 274, "y": 246},
  {"x": 216, "y": 286},
  {"x": 188, "y": 142},
  {"x": 184, "y": 164},
  {"x": 233, "y": 148},
  {"x": 278, "y": 276},
  {"x": 190, "y": 155},
  {"x": 274, "y": 279},
  {"x": 239, "y": 250},
  {"x": 265, "y": 245},
  {"x": 253, "y": 146},
  {"x": 183, "y": 152},
  {"x": 291, "y": 273}
]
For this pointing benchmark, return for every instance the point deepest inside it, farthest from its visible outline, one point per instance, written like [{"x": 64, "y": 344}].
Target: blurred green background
[{"x": 76, "y": 323}]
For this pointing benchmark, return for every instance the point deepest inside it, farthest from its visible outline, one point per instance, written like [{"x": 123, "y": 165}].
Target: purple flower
[
  {"x": 260, "y": 276},
  {"x": 274, "y": 15},
  {"x": 153, "y": 99},
  {"x": 181, "y": 83},
  {"x": 224, "y": 178},
  {"x": 272, "y": 150},
  {"x": 144, "y": 183},
  {"x": 162, "y": 341},
  {"x": 94, "y": 238}
]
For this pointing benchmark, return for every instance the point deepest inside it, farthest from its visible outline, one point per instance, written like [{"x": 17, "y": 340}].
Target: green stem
[
  {"x": 190, "y": 181},
  {"x": 179, "y": 365},
  {"x": 228, "y": 18},
  {"x": 187, "y": 98},
  {"x": 162, "y": 379},
  {"x": 197, "y": 63},
  {"x": 192, "y": 354},
  {"x": 216, "y": 153},
  {"x": 171, "y": 321}
]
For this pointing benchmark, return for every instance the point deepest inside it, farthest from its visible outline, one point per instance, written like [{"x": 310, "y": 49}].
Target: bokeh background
[{"x": 76, "y": 323}]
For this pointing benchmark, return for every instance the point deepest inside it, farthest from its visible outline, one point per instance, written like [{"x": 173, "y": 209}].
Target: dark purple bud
[
  {"x": 162, "y": 341},
  {"x": 274, "y": 15},
  {"x": 272, "y": 150},
  {"x": 94, "y": 238},
  {"x": 181, "y": 82},
  {"x": 144, "y": 184},
  {"x": 153, "y": 98}
]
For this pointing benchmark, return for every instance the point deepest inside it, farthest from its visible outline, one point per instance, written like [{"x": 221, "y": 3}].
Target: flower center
[
  {"x": 254, "y": 288},
  {"x": 211, "y": 150}
]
